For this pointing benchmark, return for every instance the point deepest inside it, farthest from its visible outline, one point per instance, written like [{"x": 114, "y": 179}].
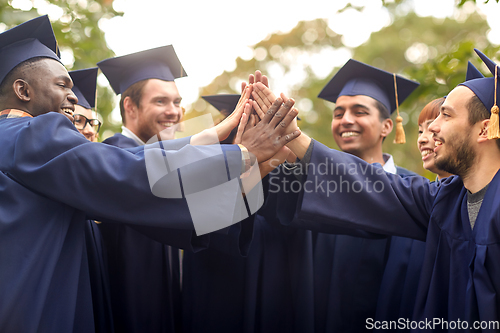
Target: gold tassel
[
  {"x": 493, "y": 128},
  {"x": 400, "y": 131}
]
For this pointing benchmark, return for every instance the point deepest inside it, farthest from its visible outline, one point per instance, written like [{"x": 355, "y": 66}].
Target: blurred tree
[
  {"x": 77, "y": 32},
  {"x": 431, "y": 51}
]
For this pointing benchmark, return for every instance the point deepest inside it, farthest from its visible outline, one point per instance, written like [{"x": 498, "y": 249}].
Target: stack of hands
[{"x": 266, "y": 123}]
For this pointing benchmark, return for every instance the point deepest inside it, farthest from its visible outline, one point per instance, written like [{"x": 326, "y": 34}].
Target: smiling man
[
  {"x": 149, "y": 104},
  {"x": 364, "y": 99},
  {"x": 458, "y": 218},
  {"x": 52, "y": 179}
]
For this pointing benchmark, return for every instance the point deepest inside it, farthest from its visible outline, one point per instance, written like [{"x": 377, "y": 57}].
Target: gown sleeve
[
  {"x": 108, "y": 183},
  {"x": 341, "y": 190}
]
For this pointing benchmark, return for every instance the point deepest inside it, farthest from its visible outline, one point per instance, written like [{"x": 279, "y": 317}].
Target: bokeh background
[{"x": 298, "y": 44}]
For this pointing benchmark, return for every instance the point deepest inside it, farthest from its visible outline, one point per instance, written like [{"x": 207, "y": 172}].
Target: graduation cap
[
  {"x": 158, "y": 63},
  {"x": 225, "y": 103},
  {"x": 84, "y": 86},
  {"x": 472, "y": 72},
  {"x": 485, "y": 88},
  {"x": 33, "y": 38},
  {"x": 357, "y": 78}
]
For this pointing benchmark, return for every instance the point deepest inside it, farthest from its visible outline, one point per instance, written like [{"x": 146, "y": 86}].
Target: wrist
[
  {"x": 299, "y": 145},
  {"x": 247, "y": 159}
]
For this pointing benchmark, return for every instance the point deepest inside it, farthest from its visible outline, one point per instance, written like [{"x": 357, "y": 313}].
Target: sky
[{"x": 208, "y": 36}]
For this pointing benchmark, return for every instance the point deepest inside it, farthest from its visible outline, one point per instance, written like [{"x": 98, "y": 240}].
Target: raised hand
[
  {"x": 264, "y": 98},
  {"x": 266, "y": 138},
  {"x": 225, "y": 127}
]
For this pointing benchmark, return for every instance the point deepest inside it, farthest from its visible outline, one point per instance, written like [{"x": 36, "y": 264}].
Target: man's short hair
[
  {"x": 135, "y": 93},
  {"x": 18, "y": 72},
  {"x": 383, "y": 112},
  {"x": 478, "y": 112}
]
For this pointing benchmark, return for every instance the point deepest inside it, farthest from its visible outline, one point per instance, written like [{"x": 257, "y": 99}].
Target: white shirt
[
  {"x": 389, "y": 165},
  {"x": 129, "y": 134}
]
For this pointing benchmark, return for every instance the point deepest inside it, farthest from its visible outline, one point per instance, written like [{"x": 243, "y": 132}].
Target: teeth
[
  {"x": 426, "y": 152},
  {"x": 167, "y": 124},
  {"x": 349, "y": 134},
  {"x": 437, "y": 143},
  {"x": 68, "y": 111}
]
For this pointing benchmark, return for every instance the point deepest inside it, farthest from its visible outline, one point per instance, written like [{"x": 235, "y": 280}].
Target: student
[
  {"x": 459, "y": 278},
  {"x": 84, "y": 87},
  {"x": 349, "y": 266},
  {"x": 53, "y": 178},
  {"x": 266, "y": 287}
]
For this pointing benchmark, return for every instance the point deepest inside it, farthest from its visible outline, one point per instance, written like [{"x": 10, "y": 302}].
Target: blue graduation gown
[
  {"x": 265, "y": 289},
  {"x": 350, "y": 275},
  {"x": 99, "y": 279},
  {"x": 51, "y": 179},
  {"x": 398, "y": 290},
  {"x": 460, "y": 274},
  {"x": 144, "y": 272}
]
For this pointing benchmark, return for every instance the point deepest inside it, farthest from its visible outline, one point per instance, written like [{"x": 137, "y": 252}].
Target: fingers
[
  {"x": 243, "y": 85},
  {"x": 271, "y": 111},
  {"x": 263, "y": 105},
  {"x": 243, "y": 123},
  {"x": 284, "y": 97},
  {"x": 252, "y": 121},
  {"x": 263, "y": 98},
  {"x": 241, "y": 128},
  {"x": 258, "y": 76},
  {"x": 282, "y": 116},
  {"x": 265, "y": 81},
  {"x": 251, "y": 79},
  {"x": 261, "y": 113},
  {"x": 289, "y": 137},
  {"x": 245, "y": 95},
  {"x": 239, "y": 109},
  {"x": 248, "y": 91}
]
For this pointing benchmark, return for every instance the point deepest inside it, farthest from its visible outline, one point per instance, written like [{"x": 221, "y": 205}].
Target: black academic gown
[
  {"x": 99, "y": 279},
  {"x": 460, "y": 276},
  {"x": 350, "y": 275},
  {"x": 51, "y": 179},
  {"x": 144, "y": 273},
  {"x": 266, "y": 288}
]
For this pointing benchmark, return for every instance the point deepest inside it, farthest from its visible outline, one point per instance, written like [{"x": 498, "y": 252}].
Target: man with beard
[{"x": 458, "y": 218}]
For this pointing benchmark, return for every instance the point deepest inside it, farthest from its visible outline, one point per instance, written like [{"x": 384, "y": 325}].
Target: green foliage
[
  {"x": 448, "y": 44},
  {"x": 445, "y": 46},
  {"x": 462, "y": 2},
  {"x": 77, "y": 30}
]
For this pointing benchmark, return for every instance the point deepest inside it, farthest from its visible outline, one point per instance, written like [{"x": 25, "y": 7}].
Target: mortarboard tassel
[
  {"x": 493, "y": 128},
  {"x": 400, "y": 132}
]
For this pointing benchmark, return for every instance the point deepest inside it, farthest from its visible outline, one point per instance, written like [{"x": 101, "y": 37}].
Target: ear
[
  {"x": 22, "y": 90},
  {"x": 483, "y": 130},
  {"x": 130, "y": 108},
  {"x": 386, "y": 127}
]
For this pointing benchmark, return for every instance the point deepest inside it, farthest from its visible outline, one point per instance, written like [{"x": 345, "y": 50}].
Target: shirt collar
[
  {"x": 389, "y": 165},
  {"x": 13, "y": 113},
  {"x": 129, "y": 134}
]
